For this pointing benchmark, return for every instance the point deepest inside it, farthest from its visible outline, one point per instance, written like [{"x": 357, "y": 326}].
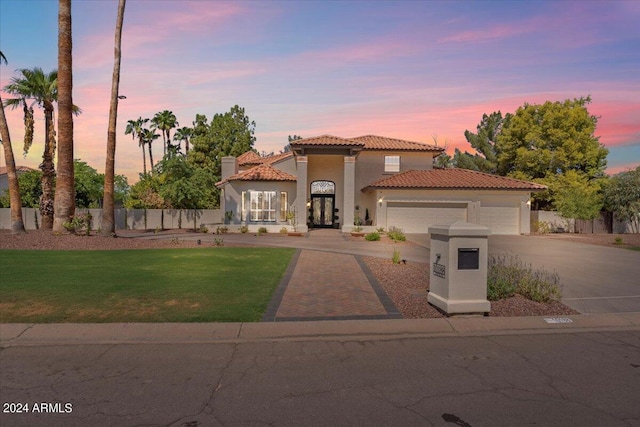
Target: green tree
[
  {"x": 575, "y": 197},
  {"x": 484, "y": 143},
  {"x": 543, "y": 142},
  {"x": 184, "y": 186},
  {"x": 183, "y": 134},
  {"x": 165, "y": 121},
  {"x": 229, "y": 134},
  {"x": 148, "y": 136},
  {"x": 88, "y": 185},
  {"x": 135, "y": 128},
  {"x": 30, "y": 190},
  {"x": 622, "y": 197},
  {"x": 42, "y": 90}
]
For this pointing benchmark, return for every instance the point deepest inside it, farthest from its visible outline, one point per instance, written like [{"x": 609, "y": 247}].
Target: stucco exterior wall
[{"x": 233, "y": 199}]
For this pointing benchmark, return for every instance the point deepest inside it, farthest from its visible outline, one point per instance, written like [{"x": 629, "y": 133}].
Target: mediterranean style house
[{"x": 372, "y": 181}]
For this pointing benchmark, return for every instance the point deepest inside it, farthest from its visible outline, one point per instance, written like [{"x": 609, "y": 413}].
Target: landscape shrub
[
  {"x": 244, "y": 229},
  {"x": 395, "y": 258},
  {"x": 284, "y": 230},
  {"x": 262, "y": 230},
  {"x": 396, "y": 234},
  {"x": 372, "y": 237},
  {"x": 508, "y": 275},
  {"x": 222, "y": 230}
]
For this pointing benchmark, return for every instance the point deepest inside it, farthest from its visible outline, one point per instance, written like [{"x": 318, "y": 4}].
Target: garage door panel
[
  {"x": 419, "y": 219},
  {"x": 501, "y": 220}
]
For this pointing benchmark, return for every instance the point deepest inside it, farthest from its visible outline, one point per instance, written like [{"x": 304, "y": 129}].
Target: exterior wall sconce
[
  {"x": 380, "y": 201},
  {"x": 308, "y": 203}
]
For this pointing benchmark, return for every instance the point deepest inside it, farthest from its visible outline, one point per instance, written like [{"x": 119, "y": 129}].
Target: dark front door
[{"x": 322, "y": 210}]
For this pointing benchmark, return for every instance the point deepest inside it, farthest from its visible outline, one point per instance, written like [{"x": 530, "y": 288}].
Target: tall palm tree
[
  {"x": 134, "y": 128},
  {"x": 165, "y": 121},
  {"x": 17, "y": 224},
  {"x": 42, "y": 90},
  {"x": 65, "y": 197},
  {"x": 183, "y": 134},
  {"x": 108, "y": 203},
  {"x": 150, "y": 135}
]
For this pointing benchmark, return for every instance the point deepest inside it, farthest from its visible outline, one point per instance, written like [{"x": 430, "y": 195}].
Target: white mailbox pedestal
[{"x": 458, "y": 279}]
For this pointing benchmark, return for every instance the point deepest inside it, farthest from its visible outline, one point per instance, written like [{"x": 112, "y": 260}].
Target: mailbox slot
[{"x": 468, "y": 258}]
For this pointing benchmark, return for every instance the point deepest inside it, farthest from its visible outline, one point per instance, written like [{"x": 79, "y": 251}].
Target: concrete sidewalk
[{"x": 12, "y": 335}]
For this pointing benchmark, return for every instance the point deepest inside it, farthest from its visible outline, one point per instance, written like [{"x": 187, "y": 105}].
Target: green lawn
[{"x": 154, "y": 285}]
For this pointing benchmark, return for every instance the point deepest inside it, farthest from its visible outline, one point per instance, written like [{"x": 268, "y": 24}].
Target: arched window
[{"x": 323, "y": 187}]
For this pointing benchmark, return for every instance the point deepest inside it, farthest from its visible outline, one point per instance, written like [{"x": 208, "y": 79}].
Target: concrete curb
[{"x": 15, "y": 335}]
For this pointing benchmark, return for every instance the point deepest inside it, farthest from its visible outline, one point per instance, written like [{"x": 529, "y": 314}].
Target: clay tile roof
[
  {"x": 374, "y": 142},
  {"x": 3, "y": 169},
  {"x": 252, "y": 158},
  {"x": 326, "y": 140},
  {"x": 274, "y": 158},
  {"x": 260, "y": 173},
  {"x": 249, "y": 158},
  {"x": 459, "y": 179}
]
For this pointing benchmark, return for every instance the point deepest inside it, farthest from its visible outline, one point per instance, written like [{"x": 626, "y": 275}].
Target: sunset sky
[{"x": 410, "y": 70}]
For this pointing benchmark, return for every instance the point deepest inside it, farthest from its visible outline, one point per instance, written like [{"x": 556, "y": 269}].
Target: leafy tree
[
  {"x": 17, "y": 224},
  {"x": 108, "y": 209},
  {"x": 542, "y": 142},
  {"x": 42, "y": 89},
  {"x": 165, "y": 121},
  {"x": 622, "y": 196},
  {"x": 229, "y": 134},
  {"x": 484, "y": 142},
  {"x": 183, "y": 134},
  {"x": 135, "y": 128},
  {"x": 30, "y": 190},
  {"x": 575, "y": 197},
  {"x": 145, "y": 194},
  {"x": 184, "y": 186},
  {"x": 88, "y": 185},
  {"x": 64, "y": 200}
]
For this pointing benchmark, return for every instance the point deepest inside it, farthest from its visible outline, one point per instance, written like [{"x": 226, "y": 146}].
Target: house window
[
  {"x": 243, "y": 206},
  {"x": 263, "y": 205},
  {"x": 283, "y": 206},
  {"x": 392, "y": 163}
]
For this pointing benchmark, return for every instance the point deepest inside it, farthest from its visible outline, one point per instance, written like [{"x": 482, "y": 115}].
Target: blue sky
[{"x": 412, "y": 70}]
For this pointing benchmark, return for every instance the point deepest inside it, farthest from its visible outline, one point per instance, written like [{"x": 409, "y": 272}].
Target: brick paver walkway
[{"x": 327, "y": 285}]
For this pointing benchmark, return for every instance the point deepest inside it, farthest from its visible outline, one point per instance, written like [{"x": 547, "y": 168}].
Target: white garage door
[
  {"x": 418, "y": 217},
  {"x": 501, "y": 219}
]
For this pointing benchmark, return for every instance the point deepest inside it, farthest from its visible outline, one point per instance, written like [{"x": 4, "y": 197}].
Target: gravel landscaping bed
[{"x": 407, "y": 285}]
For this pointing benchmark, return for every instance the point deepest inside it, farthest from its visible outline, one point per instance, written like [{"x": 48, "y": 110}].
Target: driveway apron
[{"x": 329, "y": 286}]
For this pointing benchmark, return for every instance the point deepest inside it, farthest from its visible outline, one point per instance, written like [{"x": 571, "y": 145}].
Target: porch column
[
  {"x": 349, "y": 193},
  {"x": 525, "y": 216},
  {"x": 301, "y": 193}
]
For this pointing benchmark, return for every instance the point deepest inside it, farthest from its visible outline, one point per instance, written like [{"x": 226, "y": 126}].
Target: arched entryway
[{"x": 323, "y": 201}]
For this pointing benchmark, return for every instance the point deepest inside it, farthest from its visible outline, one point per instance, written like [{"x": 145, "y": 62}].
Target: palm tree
[
  {"x": 135, "y": 127},
  {"x": 165, "y": 121},
  {"x": 41, "y": 89},
  {"x": 17, "y": 225},
  {"x": 108, "y": 204},
  {"x": 183, "y": 134},
  {"x": 149, "y": 135},
  {"x": 65, "y": 198}
]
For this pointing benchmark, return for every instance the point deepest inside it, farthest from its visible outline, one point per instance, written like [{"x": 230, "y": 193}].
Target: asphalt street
[{"x": 555, "y": 379}]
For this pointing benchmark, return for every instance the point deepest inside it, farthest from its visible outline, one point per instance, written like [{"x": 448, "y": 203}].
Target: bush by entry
[{"x": 154, "y": 285}]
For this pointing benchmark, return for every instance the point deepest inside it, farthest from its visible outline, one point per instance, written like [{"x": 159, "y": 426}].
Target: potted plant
[
  {"x": 357, "y": 230},
  {"x": 228, "y": 215}
]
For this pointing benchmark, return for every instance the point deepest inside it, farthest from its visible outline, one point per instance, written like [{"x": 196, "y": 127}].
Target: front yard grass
[{"x": 154, "y": 285}]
